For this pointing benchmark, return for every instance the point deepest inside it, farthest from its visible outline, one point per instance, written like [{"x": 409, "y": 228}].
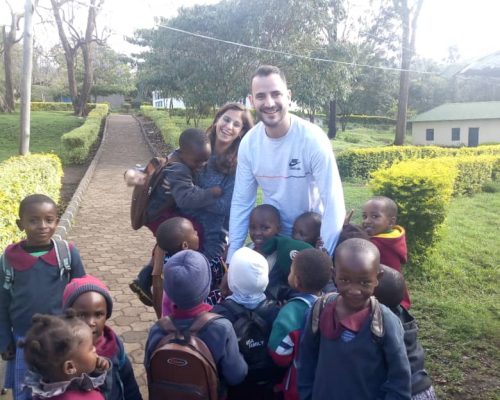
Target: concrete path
[{"x": 110, "y": 249}]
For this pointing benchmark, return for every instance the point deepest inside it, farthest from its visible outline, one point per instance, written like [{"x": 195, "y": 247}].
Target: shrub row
[
  {"x": 367, "y": 119},
  {"x": 21, "y": 176},
  {"x": 169, "y": 130},
  {"x": 422, "y": 189},
  {"x": 77, "y": 143},
  {"x": 359, "y": 163},
  {"x": 55, "y": 106}
]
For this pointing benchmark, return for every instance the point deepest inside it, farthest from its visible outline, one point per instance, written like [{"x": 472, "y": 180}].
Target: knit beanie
[
  {"x": 248, "y": 277},
  {"x": 187, "y": 279},
  {"x": 87, "y": 283}
]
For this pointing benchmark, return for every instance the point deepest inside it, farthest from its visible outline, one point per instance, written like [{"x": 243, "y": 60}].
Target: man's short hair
[
  {"x": 266, "y": 70},
  {"x": 313, "y": 268}
]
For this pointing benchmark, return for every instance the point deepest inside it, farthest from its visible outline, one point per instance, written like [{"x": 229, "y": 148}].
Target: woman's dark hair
[
  {"x": 50, "y": 342},
  {"x": 226, "y": 163}
]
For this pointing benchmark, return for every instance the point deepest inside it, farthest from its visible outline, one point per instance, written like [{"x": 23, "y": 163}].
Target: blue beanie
[{"x": 187, "y": 279}]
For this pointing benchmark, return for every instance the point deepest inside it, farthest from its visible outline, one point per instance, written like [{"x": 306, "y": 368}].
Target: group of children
[{"x": 292, "y": 323}]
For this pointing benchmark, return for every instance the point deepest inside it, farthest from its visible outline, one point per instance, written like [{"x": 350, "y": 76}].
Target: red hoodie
[{"x": 393, "y": 253}]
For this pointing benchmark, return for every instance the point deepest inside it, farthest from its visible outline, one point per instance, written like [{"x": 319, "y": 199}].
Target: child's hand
[
  {"x": 348, "y": 217},
  {"x": 224, "y": 287},
  {"x": 102, "y": 364},
  {"x": 10, "y": 353},
  {"x": 320, "y": 244},
  {"x": 216, "y": 191}
]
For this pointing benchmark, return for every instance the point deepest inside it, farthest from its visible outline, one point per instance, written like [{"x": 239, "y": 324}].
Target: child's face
[
  {"x": 191, "y": 239},
  {"x": 375, "y": 218},
  {"x": 304, "y": 229},
  {"x": 91, "y": 307},
  {"x": 263, "y": 226},
  {"x": 84, "y": 358},
  {"x": 39, "y": 221},
  {"x": 196, "y": 159},
  {"x": 356, "y": 278}
]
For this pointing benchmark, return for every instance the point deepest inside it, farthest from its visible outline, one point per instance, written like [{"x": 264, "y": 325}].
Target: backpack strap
[
  {"x": 168, "y": 326},
  {"x": 8, "y": 273},
  {"x": 318, "y": 307},
  {"x": 377, "y": 325},
  {"x": 63, "y": 255}
]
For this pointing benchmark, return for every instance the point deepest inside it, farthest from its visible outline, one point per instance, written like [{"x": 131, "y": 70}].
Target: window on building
[
  {"x": 429, "y": 134},
  {"x": 455, "y": 133}
]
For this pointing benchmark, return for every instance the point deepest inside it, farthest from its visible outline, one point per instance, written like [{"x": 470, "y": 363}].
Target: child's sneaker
[{"x": 143, "y": 295}]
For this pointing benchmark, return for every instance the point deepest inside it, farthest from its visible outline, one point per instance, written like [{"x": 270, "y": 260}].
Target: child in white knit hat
[{"x": 252, "y": 316}]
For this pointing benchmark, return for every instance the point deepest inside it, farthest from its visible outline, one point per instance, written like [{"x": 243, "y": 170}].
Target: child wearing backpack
[
  {"x": 352, "y": 346},
  {"x": 33, "y": 275},
  {"x": 252, "y": 316},
  {"x": 193, "y": 353},
  {"x": 310, "y": 272},
  {"x": 390, "y": 292},
  {"x": 62, "y": 361},
  {"x": 90, "y": 299},
  {"x": 176, "y": 191}
]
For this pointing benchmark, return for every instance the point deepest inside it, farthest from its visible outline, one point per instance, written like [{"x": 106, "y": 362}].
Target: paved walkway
[{"x": 110, "y": 249}]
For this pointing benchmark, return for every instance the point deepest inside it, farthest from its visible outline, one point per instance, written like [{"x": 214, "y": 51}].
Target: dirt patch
[{"x": 154, "y": 135}]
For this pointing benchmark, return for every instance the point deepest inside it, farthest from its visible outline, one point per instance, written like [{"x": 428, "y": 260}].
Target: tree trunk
[
  {"x": 407, "y": 51},
  {"x": 7, "y": 59},
  {"x": 332, "y": 120}
]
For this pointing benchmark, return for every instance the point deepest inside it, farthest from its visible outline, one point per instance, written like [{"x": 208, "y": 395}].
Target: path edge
[
  {"x": 66, "y": 221},
  {"x": 152, "y": 149}
]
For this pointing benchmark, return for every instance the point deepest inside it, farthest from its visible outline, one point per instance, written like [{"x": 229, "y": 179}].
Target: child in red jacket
[{"x": 379, "y": 221}]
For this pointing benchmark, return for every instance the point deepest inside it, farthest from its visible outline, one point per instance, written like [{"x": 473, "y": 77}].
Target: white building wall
[{"x": 489, "y": 132}]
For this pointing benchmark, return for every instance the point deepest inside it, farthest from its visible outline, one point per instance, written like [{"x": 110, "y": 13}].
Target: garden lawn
[
  {"x": 455, "y": 297},
  {"x": 357, "y": 136},
  {"x": 47, "y": 127}
]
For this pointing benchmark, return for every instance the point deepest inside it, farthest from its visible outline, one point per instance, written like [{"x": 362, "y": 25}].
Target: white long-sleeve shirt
[{"x": 297, "y": 173}]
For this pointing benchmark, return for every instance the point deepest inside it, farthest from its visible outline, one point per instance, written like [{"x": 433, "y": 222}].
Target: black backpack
[{"x": 253, "y": 333}]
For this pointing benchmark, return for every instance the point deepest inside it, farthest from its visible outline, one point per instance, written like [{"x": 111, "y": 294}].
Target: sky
[{"x": 471, "y": 26}]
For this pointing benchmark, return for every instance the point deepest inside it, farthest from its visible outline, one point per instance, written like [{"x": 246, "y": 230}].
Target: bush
[
  {"x": 359, "y": 163},
  {"x": 422, "y": 190},
  {"x": 367, "y": 120},
  {"x": 56, "y": 106},
  {"x": 76, "y": 145},
  {"x": 169, "y": 130},
  {"x": 21, "y": 176}
]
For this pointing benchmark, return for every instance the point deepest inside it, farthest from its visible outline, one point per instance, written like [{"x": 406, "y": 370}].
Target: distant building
[
  {"x": 458, "y": 124},
  {"x": 164, "y": 102}
]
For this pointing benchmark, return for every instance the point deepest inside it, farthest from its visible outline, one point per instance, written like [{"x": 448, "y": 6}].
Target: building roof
[
  {"x": 461, "y": 111},
  {"x": 485, "y": 66}
]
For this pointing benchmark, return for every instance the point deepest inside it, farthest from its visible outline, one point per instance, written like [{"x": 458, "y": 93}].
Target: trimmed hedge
[
  {"x": 76, "y": 144},
  {"x": 422, "y": 190},
  {"x": 21, "y": 176},
  {"x": 169, "y": 130},
  {"x": 50, "y": 106},
  {"x": 359, "y": 163},
  {"x": 367, "y": 119}
]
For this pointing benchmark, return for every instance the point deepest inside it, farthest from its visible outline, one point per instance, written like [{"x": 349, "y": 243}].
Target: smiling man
[{"x": 290, "y": 159}]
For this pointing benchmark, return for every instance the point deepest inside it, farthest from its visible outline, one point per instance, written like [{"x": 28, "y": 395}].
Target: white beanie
[{"x": 248, "y": 276}]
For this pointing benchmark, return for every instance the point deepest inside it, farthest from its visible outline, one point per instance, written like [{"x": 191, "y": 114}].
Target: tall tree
[
  {"x": 408, "y": 12},
  {"x": 74, "y": 39},
  {"x": 9, "y": 39}
]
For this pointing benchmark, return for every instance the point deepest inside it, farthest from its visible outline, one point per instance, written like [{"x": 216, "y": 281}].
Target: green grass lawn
[
  {"x": 357, "y": 136},
  {"x": 455, "y": 297},
  {"x": 47, "y": 127}
]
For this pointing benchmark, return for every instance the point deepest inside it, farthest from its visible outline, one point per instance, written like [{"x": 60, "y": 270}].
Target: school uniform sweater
[
  {"x": 297, "y": 173},
  {"x": 393, "y": 253},
  {"x": 37, "y": 288},
  {"x": 219, "y": 337},
  {"x": 123, "y": 383},
  {"x": 362, "y": 368},
  {"x": 284, "y": 340}
]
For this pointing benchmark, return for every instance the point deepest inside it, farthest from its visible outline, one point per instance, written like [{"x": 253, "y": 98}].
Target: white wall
[{"x": 489, "y": 132}]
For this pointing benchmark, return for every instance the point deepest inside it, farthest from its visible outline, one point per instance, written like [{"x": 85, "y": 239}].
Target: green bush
[
  {"x": 422, "y": 189},
  {"x": 367, "y": 119},
  {"x": 50, "y": 106},
  {"x": 21, "y": 176},
  {"x": 359, "y": 163},
  {"x": 76, "y": 145},
  {"x": 169, "y": 130}
]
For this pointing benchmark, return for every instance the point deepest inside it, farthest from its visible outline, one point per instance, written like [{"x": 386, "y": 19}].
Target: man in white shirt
[{"x": 290, "y": 159}]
